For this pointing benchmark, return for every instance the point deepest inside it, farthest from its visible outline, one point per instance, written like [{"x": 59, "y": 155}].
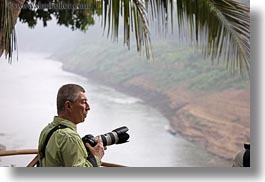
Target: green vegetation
[
  {"x": 174, "y": 66},
  {"x": 221, "y": 28}
]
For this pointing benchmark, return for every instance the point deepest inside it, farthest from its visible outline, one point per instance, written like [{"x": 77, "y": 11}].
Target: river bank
[
  {"x": 110, "y": 109},
  {"x": 202, "y": 119},
  {"x": 205, "y": 104}
]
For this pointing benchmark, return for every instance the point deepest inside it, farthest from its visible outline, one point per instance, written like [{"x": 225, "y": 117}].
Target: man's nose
[{"x": 87, "y": 107}]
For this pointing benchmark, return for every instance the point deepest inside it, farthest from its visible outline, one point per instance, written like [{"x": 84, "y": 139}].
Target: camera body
[{"x": 117, "y": 136}]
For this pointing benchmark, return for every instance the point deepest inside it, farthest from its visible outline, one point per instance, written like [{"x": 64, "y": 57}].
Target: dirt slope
[{"x": 219, "y": 121}]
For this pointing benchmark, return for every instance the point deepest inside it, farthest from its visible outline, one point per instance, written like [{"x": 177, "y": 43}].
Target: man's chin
[{"x": 84, "y": 119}]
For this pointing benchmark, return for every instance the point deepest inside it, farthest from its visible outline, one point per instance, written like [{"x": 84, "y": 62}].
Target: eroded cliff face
[
  {"x": 219, "y": 121},
  {"x": 204, "y": 103}
]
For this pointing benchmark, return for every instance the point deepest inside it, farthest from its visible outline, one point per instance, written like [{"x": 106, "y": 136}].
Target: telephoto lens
[{"x": 117, "y": 136}]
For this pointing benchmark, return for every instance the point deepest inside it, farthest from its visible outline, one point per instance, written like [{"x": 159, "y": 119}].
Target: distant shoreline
[{"x": 156, "y": 100}]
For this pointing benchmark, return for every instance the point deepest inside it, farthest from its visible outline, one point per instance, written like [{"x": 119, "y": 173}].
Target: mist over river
[{"x": 28, "y": 103}]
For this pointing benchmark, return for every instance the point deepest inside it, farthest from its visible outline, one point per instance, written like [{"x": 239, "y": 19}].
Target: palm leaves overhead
[
  {"x": 134, "y": 18},
  {"x": 7, "y": 31},
  {"x": 220, "y": 27}
]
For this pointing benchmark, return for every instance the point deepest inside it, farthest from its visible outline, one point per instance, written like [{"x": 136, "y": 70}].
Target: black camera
[{"x": 117, "y": 136}]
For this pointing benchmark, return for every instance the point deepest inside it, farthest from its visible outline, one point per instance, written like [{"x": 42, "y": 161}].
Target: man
[{"x": 59, "y": 144}]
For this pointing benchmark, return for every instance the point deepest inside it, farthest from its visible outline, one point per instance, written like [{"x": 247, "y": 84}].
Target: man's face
[{"x": 80, "y": 108}]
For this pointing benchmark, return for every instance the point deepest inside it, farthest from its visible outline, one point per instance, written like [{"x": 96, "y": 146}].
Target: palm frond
[
  {"x": 161, "y": 15},
  {"x": 221, "y": 27},
  {"x": 8, "y": 42},
  {"x": 135, "y": 20}
]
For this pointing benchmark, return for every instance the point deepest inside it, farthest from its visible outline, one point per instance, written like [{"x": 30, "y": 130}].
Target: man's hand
[{"x": 98, "y": 150}]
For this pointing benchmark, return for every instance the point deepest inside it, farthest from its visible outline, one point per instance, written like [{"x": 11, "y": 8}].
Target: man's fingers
[
  {"x": 98, "y": 150},
  {"x": 88, "y": 145},
  {"x": 100, "y": 141}
]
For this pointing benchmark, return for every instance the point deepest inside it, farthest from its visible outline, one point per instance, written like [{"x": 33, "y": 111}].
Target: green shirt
[{"x": 65, "y": 147}]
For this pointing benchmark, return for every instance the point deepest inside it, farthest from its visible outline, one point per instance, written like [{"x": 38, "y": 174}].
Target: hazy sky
[{"x": 50, "y": 38}]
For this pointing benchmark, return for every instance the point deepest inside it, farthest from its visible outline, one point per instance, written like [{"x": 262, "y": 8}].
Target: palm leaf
[
  {"x": 8, "y": 40},
  {"x": 134, "y": 19},
  {"x": 220, "y": 27}
]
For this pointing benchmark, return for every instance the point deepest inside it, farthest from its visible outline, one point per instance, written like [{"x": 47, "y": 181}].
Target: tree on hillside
[{"x": 220, "y": 27}]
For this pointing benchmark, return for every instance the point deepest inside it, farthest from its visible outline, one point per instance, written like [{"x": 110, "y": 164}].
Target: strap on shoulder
[
  {"x": 60, "y": 126},
  {"x": 90, "y": 157}
]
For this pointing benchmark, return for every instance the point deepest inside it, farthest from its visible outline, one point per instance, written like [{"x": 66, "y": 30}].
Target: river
[{"x": 28, "y": 102}]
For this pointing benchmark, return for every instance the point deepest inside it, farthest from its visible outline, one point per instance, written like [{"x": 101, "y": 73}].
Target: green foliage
[
  {"x": 221, "y": 28},
  {"x": 175, "y": 66},
  {"x": 76, "y": 14}
]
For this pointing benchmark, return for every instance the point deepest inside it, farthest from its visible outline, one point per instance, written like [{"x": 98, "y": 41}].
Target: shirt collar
[{"x": 57, "y": 120}]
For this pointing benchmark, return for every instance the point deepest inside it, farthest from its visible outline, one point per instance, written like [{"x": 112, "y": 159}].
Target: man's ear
[{"x": 67, "y": 105}]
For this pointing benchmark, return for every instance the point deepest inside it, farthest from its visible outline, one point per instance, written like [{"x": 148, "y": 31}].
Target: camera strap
[
  {"x": 60, "y": 126},
  {"x": 90, "y": 157}
]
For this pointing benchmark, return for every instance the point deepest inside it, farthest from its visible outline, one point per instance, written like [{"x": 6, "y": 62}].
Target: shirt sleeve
[{"x": 73, "y": 152}]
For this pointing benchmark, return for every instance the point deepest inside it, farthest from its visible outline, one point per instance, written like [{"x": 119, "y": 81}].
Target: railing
[{"x": 34, "y": 161}]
